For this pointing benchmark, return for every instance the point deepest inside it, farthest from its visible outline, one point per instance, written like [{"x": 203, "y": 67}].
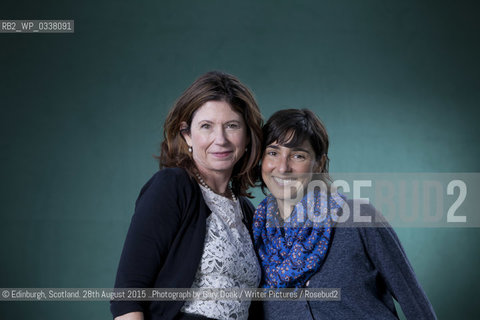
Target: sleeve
[
  {"x": 390, "y": 259},
  {"x": 157, "y": 217}
]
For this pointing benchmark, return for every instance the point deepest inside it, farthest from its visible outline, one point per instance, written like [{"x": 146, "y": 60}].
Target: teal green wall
[{"x": 396, "y": 83}]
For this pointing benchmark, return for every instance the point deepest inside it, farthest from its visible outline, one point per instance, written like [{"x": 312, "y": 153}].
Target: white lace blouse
[{"x": 228, "y": 259}]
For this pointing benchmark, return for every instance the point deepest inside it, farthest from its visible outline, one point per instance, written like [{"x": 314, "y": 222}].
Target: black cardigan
[{"x": 165, "y": 241}]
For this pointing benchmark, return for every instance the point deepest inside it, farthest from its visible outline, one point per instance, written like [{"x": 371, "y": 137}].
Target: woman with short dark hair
[{"x": 301, "y": 245}]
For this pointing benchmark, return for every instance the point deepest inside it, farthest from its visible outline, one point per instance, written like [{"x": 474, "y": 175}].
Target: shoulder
[
  {"x": 364, "y": 219},
  {"x": 178, "y": 175},
  {"x": 361, "y": 214},
  {"x": 372, "y": 227},
  {"x": 366, "y": 208},
  {"x": 167, "y": 182},
  {"x": 170, "y": 177}
]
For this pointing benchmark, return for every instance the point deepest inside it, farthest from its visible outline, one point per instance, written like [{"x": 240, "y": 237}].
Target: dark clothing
[
  {"x": 187, "y": 316},
  {"x": 165, "y": 241},
  {"x": 370, "y": 267}
]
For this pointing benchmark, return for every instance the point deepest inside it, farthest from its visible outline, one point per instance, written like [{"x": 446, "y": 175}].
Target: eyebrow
[
  {"x": 301, "y": 149},
  {"x": 228, "y": 121},
  {"x": 273, "y": 146},
  {"x": 277, "y": 147}
]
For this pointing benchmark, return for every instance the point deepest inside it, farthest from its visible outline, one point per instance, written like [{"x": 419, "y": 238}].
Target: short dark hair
[
  {"x": 214, "y": 86},
  {"x": 290, "y": 128}
]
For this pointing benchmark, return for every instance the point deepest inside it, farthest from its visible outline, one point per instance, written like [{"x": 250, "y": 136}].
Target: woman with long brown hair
[{"x": 189, "y": 229}]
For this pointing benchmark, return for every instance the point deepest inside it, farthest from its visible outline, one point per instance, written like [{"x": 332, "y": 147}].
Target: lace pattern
[{"x": 228, "y": 259}]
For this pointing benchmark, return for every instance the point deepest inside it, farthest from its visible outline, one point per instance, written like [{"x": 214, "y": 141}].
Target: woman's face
[
  {"x": 285, "y": 170},
  {"x": 218, "y": 137}
]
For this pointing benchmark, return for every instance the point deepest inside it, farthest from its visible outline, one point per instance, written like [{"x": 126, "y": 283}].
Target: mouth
[
  {"x": 285, "y": 181},
  {"x": 221, "y": 155}
]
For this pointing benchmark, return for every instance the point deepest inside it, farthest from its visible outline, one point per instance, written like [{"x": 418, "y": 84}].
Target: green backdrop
[{"x": 396, "y": 83}]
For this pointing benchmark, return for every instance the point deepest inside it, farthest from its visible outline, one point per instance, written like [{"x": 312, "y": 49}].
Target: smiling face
[
  {"x": 218, "y": 137},
  {"x": 286, "y": 170}
]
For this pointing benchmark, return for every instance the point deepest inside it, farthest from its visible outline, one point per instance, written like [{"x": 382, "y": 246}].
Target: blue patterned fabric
[{"x": 291, "y": 251}]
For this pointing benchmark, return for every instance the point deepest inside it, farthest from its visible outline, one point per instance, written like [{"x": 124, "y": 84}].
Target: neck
[
  {"x": 216, "y": 180},
  {"x": 285, "y": 208}
]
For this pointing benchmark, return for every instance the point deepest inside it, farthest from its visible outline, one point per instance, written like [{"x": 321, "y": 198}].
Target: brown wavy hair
[{"x": 214, "y": 86}]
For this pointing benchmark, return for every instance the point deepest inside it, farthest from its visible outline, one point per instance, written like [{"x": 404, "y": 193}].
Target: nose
[
  {"x": 220, "y": 137},
  {"x": 284, "y": 165}
]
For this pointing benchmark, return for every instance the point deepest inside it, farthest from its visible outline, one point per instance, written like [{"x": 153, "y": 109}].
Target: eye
[
  {"x": 272, "y": 153},
  {"x": 205, "y": 126},
  {"x": 233, "y": 126},
  {"x": 299, "y": 156}
]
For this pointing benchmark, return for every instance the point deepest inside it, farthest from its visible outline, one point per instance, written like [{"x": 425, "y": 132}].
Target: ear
[
  {"x": 319, "y": 165},
  {"x": 185, "y": 132}
]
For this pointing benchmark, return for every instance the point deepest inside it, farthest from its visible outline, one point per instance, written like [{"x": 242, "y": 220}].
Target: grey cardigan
[{"x": 371, "y": 268}]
